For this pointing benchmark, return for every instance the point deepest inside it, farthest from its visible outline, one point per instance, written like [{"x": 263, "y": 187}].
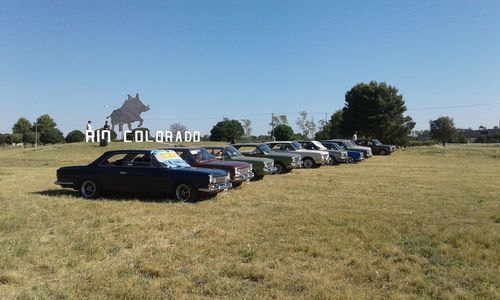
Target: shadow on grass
[{"x": 118, "y": 196}]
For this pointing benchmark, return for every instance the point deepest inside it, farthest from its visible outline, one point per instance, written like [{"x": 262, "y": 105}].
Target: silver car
[
  {"x": 310, "y": 158},
  {"x": 336, "y": 155}
]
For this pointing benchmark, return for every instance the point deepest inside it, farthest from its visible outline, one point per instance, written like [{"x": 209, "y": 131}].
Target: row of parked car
[{"x": 187, "y": 172}]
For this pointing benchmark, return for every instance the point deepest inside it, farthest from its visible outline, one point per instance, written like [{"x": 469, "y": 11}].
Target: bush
[
  {"x": 52, "y": 136},
  {"x": 29, "y": 138},
  {"x": 421, "y": 143},
  {"x": 75, "y": 136},
  {"x": 14, "y": 138}
]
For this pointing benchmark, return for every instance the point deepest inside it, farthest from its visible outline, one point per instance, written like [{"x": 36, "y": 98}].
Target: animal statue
[{"x": 129, "y": 113}]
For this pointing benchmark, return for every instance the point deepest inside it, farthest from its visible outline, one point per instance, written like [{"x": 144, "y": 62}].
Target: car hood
[
  {"x": 251, "y": 160},
  {"x": 274, "y": 153},
  {"x": 223, "y": 164},
  {"x": 361, "y": 148},
  {"x": 213, "y": 172},
  {"x": 312, "y": 152}
]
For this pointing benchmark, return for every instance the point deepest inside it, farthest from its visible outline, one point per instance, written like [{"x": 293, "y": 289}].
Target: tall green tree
[
  {"x": 44, "y": 123},
  {"x": 283, "y": 132},
  {"x": 226, "y": 130},
  {"x": 52, "y": 136},
  {"x": 376, "y": 110},
  {"x": 443, "y": 129},
  {"x": 22, "y": 126}
]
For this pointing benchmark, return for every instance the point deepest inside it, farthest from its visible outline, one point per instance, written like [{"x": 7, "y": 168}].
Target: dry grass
[{"x": 420, "y": 223}]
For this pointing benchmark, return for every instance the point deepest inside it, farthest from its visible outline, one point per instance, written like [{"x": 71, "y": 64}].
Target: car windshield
[
  {"x": 232, "y": 152},
  {"x": 296, "y": 145},
  {"x": 202, "y": 154},
  {"x": 319, "y": 145},
  {"x": 341, "y": 146},
  {"x": 332, "y": 146},
  {"x": 264, "y": 148},
  {"x": 376, "y": 142},
  {"x": 168, "y": 159}
]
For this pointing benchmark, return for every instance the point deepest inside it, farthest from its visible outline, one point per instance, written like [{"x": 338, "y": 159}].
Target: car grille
[
  {"x": 220, "y": 179},
  {"x": 245, "y": 172}
]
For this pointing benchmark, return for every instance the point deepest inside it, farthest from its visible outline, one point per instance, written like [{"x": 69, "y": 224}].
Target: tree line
[{"x": 371, "y": 110}]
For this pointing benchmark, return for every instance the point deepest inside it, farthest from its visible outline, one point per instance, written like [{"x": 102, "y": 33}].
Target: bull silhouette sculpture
[{"x": 129, "y": 113}]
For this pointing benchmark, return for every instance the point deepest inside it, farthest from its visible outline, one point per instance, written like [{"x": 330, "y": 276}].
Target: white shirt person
[{"x": 89, "y": 126}]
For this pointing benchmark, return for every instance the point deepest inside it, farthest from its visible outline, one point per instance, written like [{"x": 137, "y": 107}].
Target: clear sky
[{"x": 197, "y": 61}]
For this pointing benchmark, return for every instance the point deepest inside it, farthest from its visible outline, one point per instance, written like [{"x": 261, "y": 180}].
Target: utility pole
[{"x": 272, "y": 126}]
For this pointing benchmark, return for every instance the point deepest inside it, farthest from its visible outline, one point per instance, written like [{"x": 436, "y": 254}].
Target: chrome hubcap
[{"x": 308, "y": 163}]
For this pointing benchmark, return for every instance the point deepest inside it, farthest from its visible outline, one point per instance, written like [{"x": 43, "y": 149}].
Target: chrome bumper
[
  {"x": 269, "y": 170},
  {"x": 242, "y": 178},
  {"x": 214, "y": 188}
]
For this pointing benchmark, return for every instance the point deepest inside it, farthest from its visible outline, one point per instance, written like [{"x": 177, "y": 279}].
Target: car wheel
[
  {"x": 237, "y": 184},
  {"x": 184, "y": 192},
  {"x": 308, "y": 163},
  {"x": 350, "y": 160},
  {"x": 382, "y": 152},
  {"x": 257, "y": 177},
  {"x": 280, "y": 168},
  {"x": 89, "y": 189}
]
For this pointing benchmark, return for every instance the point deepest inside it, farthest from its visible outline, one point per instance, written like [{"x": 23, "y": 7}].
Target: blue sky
[{"x": 197, "y": 61}]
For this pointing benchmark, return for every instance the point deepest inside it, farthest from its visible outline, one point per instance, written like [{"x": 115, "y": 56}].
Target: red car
[{"x": 200, "y": 157}]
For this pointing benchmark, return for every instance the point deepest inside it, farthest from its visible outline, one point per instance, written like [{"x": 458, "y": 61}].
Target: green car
[
  {"x": 260, "y": 166},
  {"x": 284, "y": 162}
]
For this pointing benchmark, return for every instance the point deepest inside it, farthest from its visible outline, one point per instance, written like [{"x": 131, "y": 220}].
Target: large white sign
[{"x": 143, "y": 136}]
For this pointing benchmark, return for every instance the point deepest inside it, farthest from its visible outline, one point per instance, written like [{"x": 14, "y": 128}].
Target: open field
[{"x": 420, "y": 223}]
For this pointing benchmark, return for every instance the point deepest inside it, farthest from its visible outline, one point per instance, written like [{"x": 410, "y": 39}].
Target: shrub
[
  {"x": 52, "y": 136},
  {"x": 75, "y": 136}
]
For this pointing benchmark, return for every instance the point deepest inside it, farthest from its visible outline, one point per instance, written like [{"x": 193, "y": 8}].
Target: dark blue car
[
  {"x": 143, "y": 171},
  {"x": 352, "y": 156}
]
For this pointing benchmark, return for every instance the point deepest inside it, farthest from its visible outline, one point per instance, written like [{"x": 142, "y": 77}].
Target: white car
[{"x": 310, "y": 158}]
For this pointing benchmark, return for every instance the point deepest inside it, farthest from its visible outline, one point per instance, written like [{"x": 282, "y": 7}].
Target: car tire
[
  {"x": 89, "y": 189},
  {"x": 349, "y": 160},
  {"x": 382, "y": 152},
  {"x": 257, "y": 177},
  {"x": 308, "y": 163},
  {"x": 184, "y": 192},
  {"x": 280, "y": 168},
  {"x": 237, "y": 184}
]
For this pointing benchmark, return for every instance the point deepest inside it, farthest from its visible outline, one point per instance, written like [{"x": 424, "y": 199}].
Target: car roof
[
  {"x": 271, "y": 142},
  {"x": 127, "y": 151},
  {"x": 248, "y": 144},
  {"x": 182, "y": 148}
]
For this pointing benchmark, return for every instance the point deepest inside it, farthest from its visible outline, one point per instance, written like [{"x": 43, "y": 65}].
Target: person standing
[
  {"x": 89, "y": 125},
  {"x": 355, "y": 136},
  {"x": 106, "y": 126}
]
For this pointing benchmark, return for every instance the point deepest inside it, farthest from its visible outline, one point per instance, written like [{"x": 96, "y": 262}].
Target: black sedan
[
  {"x": 143, "y": 171},
  {"x": 376, "y": 146}
]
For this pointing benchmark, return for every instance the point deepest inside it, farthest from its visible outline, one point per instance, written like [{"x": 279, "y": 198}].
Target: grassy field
[{"x": 422, "y": 223}]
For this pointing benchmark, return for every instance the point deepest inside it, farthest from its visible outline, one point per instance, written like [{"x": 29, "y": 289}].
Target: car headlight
[
  {"x": 237, "y": 171},
  {"x": 210, "y": 178}
]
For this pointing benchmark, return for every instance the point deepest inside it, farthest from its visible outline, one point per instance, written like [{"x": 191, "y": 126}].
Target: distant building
[{"x": 473, "y": 134}]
